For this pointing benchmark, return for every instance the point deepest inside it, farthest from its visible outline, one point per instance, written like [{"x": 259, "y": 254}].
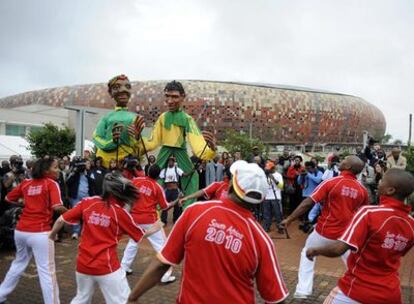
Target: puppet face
[
  {"x": 174, "y": 100},
  {"x": 120, "y": 90}
]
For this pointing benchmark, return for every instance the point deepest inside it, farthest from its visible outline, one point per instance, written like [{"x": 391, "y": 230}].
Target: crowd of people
[{"x": 356, "y": 207}]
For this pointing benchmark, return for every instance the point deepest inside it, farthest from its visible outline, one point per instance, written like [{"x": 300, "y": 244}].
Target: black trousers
[{"x": 171, "y": 195}]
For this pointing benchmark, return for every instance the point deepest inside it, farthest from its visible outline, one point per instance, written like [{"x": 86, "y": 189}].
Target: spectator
[
  {"x": 310, "y": 177},
  {"x": 316, "y": 162},
  {"x": 224, "y": 158},
  {"x": 29, "y": 167},
  {"x": 214, "y": 171},
  {"x": 15, "y": 176},
  {"x": 132, "y": 168},
  {"x": 98, "y": 174},
  {"x": 396, "y": 160},
  {"x": 202, "y": 175},
  {"x": 367, "y": 178},
  {"x": 171, "y": 178},
  {"x": 332, "y": 170},
  {"x": 237, "y": 156},
  {"x": 80, "y": 185},
  {"x": 257, "y": 153},
  {"x": 272, "y": 205},
  {"x": 293, "y": 189},
  {"x": 211, "y": 238},
  {"x": 151, "y": 162},
  {"x": 113, "y": 166}
]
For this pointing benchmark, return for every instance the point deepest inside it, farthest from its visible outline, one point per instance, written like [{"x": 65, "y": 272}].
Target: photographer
[
  {"x": 132, "y": 168},
  {"x": 332, "y": 170},
  {"x": 80, "y": 185},
  {"x": 11, "y": 179},
  {"x": 272, "y": 205}
]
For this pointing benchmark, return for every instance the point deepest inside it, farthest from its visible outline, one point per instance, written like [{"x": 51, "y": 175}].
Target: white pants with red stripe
[
  {"x": 43, "y": 249},
  {"x": 114, "y": 287},
  {"x": 307, "y": 267},
  {"x": 156, "y": 239},
  {"x": 338, "y": 297}
]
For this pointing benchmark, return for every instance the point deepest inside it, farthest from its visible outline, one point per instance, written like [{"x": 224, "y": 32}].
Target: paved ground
[{"x": 327, "y": 273}]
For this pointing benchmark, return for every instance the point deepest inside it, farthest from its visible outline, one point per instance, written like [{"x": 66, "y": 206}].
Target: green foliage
[
  {"x": 50, "y": 140},
  {"x": 344, "y": 153},
  {"x": 386, "y": 139},
  {"x": 236, "y": 141},
  {"x": 409, "y": 154},
  {"x": 397, "y": 142},
  {"x": 320, "y": 158}
]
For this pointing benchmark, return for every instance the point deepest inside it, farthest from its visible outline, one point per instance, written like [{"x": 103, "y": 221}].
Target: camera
[{"x": 79, "y": 165}]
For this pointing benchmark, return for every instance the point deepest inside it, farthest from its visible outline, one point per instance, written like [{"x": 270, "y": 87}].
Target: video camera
[{"x": 79, "y": 164}]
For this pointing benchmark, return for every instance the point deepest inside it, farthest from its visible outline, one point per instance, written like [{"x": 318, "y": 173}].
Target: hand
[
  {"x": 116, "y": 132},
  {"x": 182, "y": 201},
  {"x": 52, "y": 236},
  {"x": 311, "y": 253},
  {"x": 286, "y": 222},
  {"x": 210, "y": 139},
  {"x": 135, "y": 129}
]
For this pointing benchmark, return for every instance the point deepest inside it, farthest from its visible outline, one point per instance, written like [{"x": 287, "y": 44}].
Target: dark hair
[
  {"x": 154, "y": 171},
  {"x": 299, "y": 157},
  {"x": 41, "y": 166},
  {"x": 174, "y": 86},
  {"x": 310, "y": 164},
  {"x": 120, "y": 188}
]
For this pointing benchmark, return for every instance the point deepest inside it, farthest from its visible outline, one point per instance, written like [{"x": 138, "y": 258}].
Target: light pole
[{"x": 80, "y": 126}]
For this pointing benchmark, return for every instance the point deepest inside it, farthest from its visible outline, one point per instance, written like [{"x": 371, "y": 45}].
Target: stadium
[{"x": 274, "y": 113}]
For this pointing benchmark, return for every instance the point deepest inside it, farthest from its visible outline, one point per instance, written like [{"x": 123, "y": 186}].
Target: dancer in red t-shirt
[
  {"x": 104, "y": 221},
  {"x": 378, "y": 237},
  {"x": 41, "y": 197},
  {"x": 144, "y": 213},
  {"x": 340, "y": 198},
  {"x": 225, "y": 251}
]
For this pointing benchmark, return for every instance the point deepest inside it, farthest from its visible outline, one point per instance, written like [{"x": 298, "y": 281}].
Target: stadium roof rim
[{"x": 272, "y": 86}]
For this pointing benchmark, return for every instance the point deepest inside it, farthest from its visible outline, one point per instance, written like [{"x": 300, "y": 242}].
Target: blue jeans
[
  {"x": 271, "y": 208},
  {"x": 73, "y": 202}
]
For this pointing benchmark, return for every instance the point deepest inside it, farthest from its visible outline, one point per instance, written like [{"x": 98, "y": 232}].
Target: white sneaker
[
  {"x": 299, "y": 295},
  {"x": 168, "y": 279},
  {"x": 75, "y": 236}
]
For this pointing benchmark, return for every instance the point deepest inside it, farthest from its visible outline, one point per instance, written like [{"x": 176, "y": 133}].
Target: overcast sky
[{"x": 363, "y": 48}]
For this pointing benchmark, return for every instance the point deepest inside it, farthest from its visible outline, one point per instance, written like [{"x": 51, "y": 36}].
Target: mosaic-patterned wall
[{"x": 274, "y": 114}]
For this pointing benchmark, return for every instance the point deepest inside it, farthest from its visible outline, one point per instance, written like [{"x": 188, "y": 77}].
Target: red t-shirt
[
  {"x": 380, "y": 235},
  {"x": 216, "y": 190},
  {"x": 40, "y": 197},
  {"x": 340, "y": 197},
  {"x": 103, "y": 223},
  {"x": 225, "y": 250},
  {"x": 151, "y": 194}
]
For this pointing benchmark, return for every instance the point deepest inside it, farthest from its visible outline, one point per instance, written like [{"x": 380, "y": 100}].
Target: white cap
[{"x": 248, "y": 178}]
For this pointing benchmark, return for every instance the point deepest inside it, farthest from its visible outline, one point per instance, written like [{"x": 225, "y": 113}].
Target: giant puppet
[
  {"x": 172, "y": 130},
  {"x": 117, "y": 133}
]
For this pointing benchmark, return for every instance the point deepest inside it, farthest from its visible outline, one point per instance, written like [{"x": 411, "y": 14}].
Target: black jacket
[{"x": 73, "y": 184}]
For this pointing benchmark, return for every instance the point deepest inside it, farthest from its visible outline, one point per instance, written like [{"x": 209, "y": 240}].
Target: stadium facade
[{"x": 276, "y": 114}]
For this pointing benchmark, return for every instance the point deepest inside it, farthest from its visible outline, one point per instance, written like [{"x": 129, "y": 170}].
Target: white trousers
[
  {"x": 43, "y": 249},
  {"x": 307, "y": 267},
  {"x": 114, "y": 287},
  {"x": 156, "y": 239},
  {"x": 338, "y": 297}
]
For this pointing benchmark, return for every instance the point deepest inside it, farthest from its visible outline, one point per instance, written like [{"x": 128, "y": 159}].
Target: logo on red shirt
[
  {"x": 230, "y": 237},
  {"x": 99, "y": 219},
  {"x": 34, "y": 190},
  {"x": 349, "y": 192},
  {"x": 395, "y": 242}
]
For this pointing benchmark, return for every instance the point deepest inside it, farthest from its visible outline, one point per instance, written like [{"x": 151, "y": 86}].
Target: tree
[
  {"x": 50, "y": 140},
  {"x": 386, "y": 139},
  {"x": 397, "y": 142},
  {"x": 234, "y": 141},
  {"x": 409, "y": 154}
]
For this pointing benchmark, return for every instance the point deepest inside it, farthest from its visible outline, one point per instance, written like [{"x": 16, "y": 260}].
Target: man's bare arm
[{"x": 333, "y": 250}]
